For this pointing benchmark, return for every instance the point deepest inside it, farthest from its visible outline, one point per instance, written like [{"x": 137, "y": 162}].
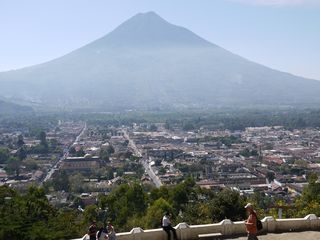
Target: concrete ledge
[{"x": 225, "y": 228}]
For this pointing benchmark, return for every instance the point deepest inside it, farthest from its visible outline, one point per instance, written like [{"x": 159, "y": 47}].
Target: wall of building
[{"x": 225, "y": 227}]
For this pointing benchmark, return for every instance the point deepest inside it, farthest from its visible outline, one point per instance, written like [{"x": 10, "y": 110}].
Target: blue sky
[{"x": 281, "y": 34}]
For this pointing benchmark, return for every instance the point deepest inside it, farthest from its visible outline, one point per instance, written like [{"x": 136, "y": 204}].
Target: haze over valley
[{"x": 149, "y": 63}]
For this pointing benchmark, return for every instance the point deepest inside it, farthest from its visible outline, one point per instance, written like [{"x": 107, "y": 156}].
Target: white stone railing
[{"x": 225, "y": 227}]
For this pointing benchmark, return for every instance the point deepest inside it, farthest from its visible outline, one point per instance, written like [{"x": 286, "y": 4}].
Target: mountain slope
[
  {"x": 148, "y": 62},
  {"x": 7, "y": 108}
]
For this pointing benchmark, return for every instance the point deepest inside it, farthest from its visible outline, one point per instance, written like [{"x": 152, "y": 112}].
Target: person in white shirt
[{"x": 166, "y": 225}]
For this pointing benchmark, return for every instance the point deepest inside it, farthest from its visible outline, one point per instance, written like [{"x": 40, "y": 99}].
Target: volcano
[{"x": 148, "y": 63}]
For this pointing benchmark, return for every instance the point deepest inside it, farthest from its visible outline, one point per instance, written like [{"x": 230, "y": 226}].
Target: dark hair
[{"x": 100, "y": 231}]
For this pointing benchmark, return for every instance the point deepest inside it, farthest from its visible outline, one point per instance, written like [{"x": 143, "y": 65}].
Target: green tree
[
  {"x": 312, "y": 177},
  {"x": 162, "y": 171},
  {"x": 21, "y": 153},
  {"x": 90, "y": 213},
  {"x": 179, "y": 195},
  {"x": 124, "y": 202},
  {"x": 72, "y": 150},
  {"x": 54, "y": 145},
  {"x": 4, "y": 155},
  {"x": 153, "y": 128},
  {"x": 76, "y": 183},
  {"x": 109, "y": 173},
  {"x": 31, "y": 164},
  {"x": 188, "y": 127},
  {"x": 110, "y": 149},
  {"x": 196, "y": 213},
  {"x": 270, "y": 176},
  {"x": 43, "y": 139},
  {"x": 136, "y": 198},
  {"x": 104, "y": 155},
  {"x": 182, "y": 193},
  {"x": 20, "y": 141},
  {"x": 80, "y": 153},
  {"x": 157, "y": 162},
  {"x": 227, "y": 204},
  {"x": 13, "y": 166},
  {"x": 61, "y": 181},
  {"x": 31, "y": 216},
  {"x": 308, "y": 202},
  {"x": 155, "y": 212},
  {"x": 245, "y": 152}
]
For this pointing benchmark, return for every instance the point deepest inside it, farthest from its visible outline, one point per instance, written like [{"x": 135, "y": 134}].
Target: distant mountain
[
  {"x": 147, "y": 62},
  {"x": 11, "y": 108}
]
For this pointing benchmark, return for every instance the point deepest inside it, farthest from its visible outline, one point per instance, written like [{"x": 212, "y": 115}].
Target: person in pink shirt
[{"x": 251, "y": 222}]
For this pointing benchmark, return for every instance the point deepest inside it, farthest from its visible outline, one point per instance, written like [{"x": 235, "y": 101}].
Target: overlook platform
[
  {"x": 275, "y": 229},
  {"x": 310, "y": 235}
]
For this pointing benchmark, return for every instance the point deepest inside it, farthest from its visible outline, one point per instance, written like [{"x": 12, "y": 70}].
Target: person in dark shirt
[{"x": 92, "y": 231}]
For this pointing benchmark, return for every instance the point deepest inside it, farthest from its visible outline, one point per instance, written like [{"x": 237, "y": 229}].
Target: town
[{"x": 75, "y": 161}]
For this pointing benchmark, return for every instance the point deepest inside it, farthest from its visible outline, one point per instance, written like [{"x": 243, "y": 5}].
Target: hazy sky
[{"x": 282, "y": 34}]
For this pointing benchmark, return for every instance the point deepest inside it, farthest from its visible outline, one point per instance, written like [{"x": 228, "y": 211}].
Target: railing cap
[
  {"x": 136, "y": 230},
  {"x": 182, "y": 226},
  {"x": 311, "y": 217}
]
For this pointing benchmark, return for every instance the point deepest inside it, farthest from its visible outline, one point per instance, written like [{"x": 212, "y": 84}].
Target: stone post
[
  {"x": 183, "y": 231},
  {"x": 314, "y": 221},
  {"x": 269, "y": 224},
  {"x": 227, "y": 227},
  {"x": 137, "y": 233}
]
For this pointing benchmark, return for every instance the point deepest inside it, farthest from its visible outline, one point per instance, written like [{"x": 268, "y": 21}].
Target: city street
[
  {"x": 65, "y": 155},
  {"x": 143, "y": 161}
]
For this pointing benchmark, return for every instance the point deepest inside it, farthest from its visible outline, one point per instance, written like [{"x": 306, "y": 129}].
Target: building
[{"x": 86, "y": 163}]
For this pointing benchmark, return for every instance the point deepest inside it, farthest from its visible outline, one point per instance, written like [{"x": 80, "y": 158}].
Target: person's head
[
  {"x": 249, "y": 207},
  {"x": 167, "y": 213},
  {"x": 93, "y": 222}
]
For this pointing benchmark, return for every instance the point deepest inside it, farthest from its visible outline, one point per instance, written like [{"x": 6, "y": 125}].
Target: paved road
[
  {"x": 151, "y": 173},
  {"x": 81, "y": 133},
  {"x": 157, "y": 182},
  {"x": 65, "y": 155},
  {"x": 131, "y": 144}
]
